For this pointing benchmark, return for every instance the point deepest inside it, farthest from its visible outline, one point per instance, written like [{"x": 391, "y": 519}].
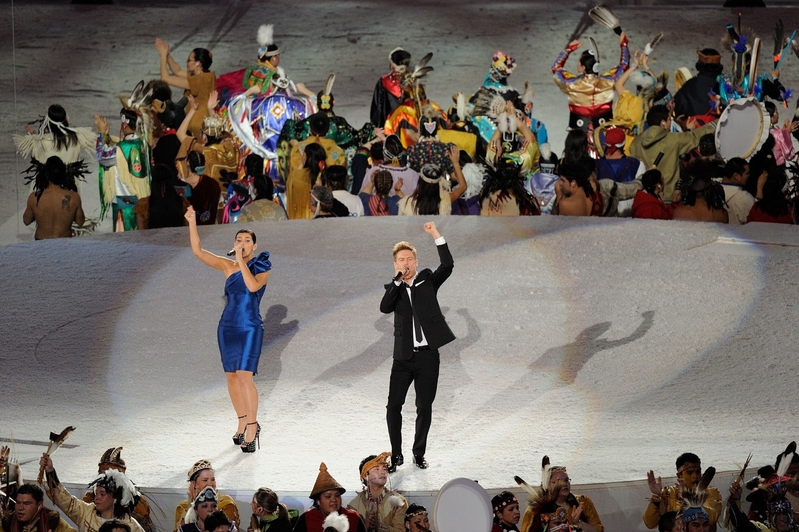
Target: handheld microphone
[
  {"x": 400, "y": 274},
  {"x": 231, "y": 253}
]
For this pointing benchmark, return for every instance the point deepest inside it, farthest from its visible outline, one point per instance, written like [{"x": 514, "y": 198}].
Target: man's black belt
[{"x": 421, "y": 348}]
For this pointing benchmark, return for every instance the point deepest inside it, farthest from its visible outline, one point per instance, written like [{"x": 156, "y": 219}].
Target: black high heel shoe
[
  {"x": 238, "y": 439},
  {"x": 249, "y": 446}
]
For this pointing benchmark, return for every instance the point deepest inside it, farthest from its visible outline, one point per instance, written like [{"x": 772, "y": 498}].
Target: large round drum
[
  {"x": 742, "y": 129},
  {"x": 461, "y": 505}
]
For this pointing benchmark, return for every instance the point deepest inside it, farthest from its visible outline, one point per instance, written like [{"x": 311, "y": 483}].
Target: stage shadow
[
  {"x": 569, "y": 359},
  {"x": 451, "y": 365},
  {"x": 277, "y": 336},
  {"x": 366, "y": 362}
]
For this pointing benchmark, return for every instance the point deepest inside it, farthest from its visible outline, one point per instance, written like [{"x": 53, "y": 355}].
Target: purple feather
[
  {"x": 786, "y": 94},
  {"x": 740, "y": 46}
]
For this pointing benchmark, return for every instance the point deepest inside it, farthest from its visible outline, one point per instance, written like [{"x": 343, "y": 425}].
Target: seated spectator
[
  {"x": 702, "y": 201},
  {"x": 504, "y": 194},
  {"x": 648, "y": 203},
  {"x": 432, "y": 196},
  {"x": 163, "y": 207},
  {"x": 382, "y": 509},
  {"x": 218, "y": 522},
  {"x": 375, "y": 195},
  {"x": 204, "y": 505},
  {"x": 395, "y": 161},
  {"x": 416, "y": 518},
  {"x": 474, "y": 175},
  {"x": 322, "y": 202},
  {"x": 739, "y": 201},
  {"x": 506, "y": 512},
  {"x": 31, "y": 515},
  {"x": 205, "y": 192},
  {"x": 200, "y": 476},
  {"x": 689, "y": 471},
  {"x": 302, "y": 180},
  {"x": 268, "y": 513},
  {"x": 574, "y": 193},
  {"x": 326, "y": 495},
  {"x": 115, "y": 497},
  {"x": 112, "y": 459},
  {"x": 335, "y": 178},
  {"x": 53, "y": 204},
  {"x": 771, "y": 205},
  {"x": 658, "y": 138},
  {"x": 264, "y": 206},
  {"x": 615, "y": 165},
  {"x": 319, "y": 124}
]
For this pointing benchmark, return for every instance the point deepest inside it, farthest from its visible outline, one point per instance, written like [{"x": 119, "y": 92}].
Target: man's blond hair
[{"x": 402, "y": 246}]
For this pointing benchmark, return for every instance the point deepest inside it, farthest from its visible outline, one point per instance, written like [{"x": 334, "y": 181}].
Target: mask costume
[{"x": 124, "y": 162}]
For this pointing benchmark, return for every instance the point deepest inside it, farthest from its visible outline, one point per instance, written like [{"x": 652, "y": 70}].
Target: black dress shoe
[
  {"x": 396, "y": 460},
  {"x": 420, "y": 462}
]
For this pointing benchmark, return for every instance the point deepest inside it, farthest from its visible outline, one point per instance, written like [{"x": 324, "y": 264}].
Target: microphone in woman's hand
[{"x": 231, "y": 252}]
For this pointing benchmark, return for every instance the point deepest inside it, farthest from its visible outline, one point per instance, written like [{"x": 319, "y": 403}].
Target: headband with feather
[
  {"x": 266, "y": 41},
  {"x": 692, "y": 501}
]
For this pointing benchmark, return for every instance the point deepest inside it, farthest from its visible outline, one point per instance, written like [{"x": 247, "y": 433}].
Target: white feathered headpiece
[
  {"x": 120, "y": 487},
  {"x": 337, "y": 522},
  {"x": 266, "y": 36}
]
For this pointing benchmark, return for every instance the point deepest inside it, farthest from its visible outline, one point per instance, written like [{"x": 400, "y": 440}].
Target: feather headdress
[
  {"x": 602, "y": 14},
  {"x": 120, "y": 486},
  {"x": 140, "y": 102},
  {"x": 692, "y": 500},
  {"x": 529, "y": 93},
  {"x": 650, "y": 46},
  {"x": 543, "y": 499},
  {"x": 266, "y": 34},
  {"x": 487, "y": 103}
]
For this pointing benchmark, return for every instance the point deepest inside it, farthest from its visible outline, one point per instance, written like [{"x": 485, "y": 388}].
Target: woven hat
[
  {"x": 325, "y": 482},
  {"x": 112, "y": 459}
]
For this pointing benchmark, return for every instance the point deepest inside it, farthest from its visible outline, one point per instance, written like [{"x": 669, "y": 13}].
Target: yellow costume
[
  {"x": 83, "y": 514},
  {"x": 335, "y": 155},
  {"x": 221, "y": 156},
  {"x": 225, "y": 503},
  {"x": 589, "y": 515},
  {"x": 668, "y": 502}
]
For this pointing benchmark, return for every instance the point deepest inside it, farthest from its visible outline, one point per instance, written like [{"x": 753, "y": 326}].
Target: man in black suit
[{"x": 419, "y": 330}]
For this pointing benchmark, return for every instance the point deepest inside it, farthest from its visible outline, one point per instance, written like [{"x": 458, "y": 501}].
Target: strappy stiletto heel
[
  {"x": 238, "y": 439},
  {"x": 249, "y": 446}
]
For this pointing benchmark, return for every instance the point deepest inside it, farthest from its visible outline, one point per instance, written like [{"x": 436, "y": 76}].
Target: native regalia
[
  {"x": 56, "y": 139},
  {"x": 388, "y": 90},
  {"x": 489, "y": 100},
  {"x": 543, "y": 513},
  {"x": 124, "y": 169}
]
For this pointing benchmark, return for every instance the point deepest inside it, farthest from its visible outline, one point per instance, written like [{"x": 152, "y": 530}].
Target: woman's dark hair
[
  {"x": 651, "y": 179},
  {"x": 204, "y": 57},
  {"x": 506, "y": 177},
  {"x": 335, "y": 177},
  {"x": 314, "y": 154},
  {"x": 771, "y": 108},
  {"x": 63, "y": 138},
  {"x": 588, "y": 60},
  {"x": 113, "y": 524},
  {"x": 774, "y": 203},
  {"x": 254, "y": 165},
  {"x": 264, "y": 187},
  {"x": 215, "y": 520},
  {"x": 426, "y": 197},
  {"x": 575, "y": 148},
  {"x": 319, "y": 124},
  {"x": 53, "y": 171},
  {"x": 707, "y": 145},
  {"x": 249, "y": 232},
  {"x": 267, "y": 499},
  {"x": 376, "y": 151},
  {"x": 166, "y": 150},
  {"x": 165, "y": 207},
  {"x": 196, "y": 160},
  {"x": 711, "y": 191},
  {"x": 383, "y": 182},
  {"x": 392, "y": 147}
]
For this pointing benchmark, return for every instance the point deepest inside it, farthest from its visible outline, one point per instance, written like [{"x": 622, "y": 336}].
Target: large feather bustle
[
  {"x": 487, "y": 103},
  {"x": 602, "y": 14},
  {"x": 266, "y": 34},
  {"x": 731, "y": 38}
]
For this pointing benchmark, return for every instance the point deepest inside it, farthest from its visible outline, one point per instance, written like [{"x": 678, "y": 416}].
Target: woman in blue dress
[{"x": 241, "y": 330}]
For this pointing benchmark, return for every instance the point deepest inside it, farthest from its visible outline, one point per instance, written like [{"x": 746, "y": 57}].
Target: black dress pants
[{"x": 422, "y": 371}]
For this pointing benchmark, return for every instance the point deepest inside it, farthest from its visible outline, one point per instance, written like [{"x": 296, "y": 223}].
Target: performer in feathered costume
[
  {"x": 124, "y": 172},
  {"x": 404, "y": 120},
  {"x": 692, "y": 501},
  {"x": 590, "y": 90},
  {"x": 771, "y": 510},
  {"x": 388, "y": 90},
  {"x": 115, "y": 497},
  {"x": 55, "y": 138},
  {"x": 543, "y": 513}
]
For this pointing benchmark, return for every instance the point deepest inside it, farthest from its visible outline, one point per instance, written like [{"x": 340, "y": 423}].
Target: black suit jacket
[{"x": 425, "y": 303}]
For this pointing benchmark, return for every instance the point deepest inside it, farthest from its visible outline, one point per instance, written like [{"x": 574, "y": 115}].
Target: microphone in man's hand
[{"x": 400, "y": 274}]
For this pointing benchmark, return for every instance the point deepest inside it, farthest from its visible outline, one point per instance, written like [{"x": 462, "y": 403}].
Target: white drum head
[
  {"x": 742, "y": 129},
  {"x": 462, "y": 505}
]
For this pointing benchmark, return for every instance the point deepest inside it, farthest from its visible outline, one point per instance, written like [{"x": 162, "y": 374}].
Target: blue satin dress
[{"x": 241, "y": 329}]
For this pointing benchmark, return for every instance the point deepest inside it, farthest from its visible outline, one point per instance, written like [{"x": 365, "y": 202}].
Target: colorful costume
[
  {"x": 241, "y": 328},
  {"x": 225, "y": 504},
  {"x": 123, "y": 176},
  {"x": 590, "y": 94},
  {"x": 388, "y": 90},
  {"x": 385, "y": 513}
]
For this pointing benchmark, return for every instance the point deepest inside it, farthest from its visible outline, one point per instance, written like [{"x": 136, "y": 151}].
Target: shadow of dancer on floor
[
  {"x": 369, "y": 360},
  {"x": 451, "y": 365},
  {"x": 569, "y": 359},
  {"x": 277, "y": 336}
]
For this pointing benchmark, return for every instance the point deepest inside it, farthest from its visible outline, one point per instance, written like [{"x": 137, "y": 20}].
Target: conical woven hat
[{"x": 325, "y": 482}]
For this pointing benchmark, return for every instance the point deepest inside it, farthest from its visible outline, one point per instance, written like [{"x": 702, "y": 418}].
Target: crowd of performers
[
  {"x": 252, "y": 144},
  {"x": 114, "y": 503}
]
